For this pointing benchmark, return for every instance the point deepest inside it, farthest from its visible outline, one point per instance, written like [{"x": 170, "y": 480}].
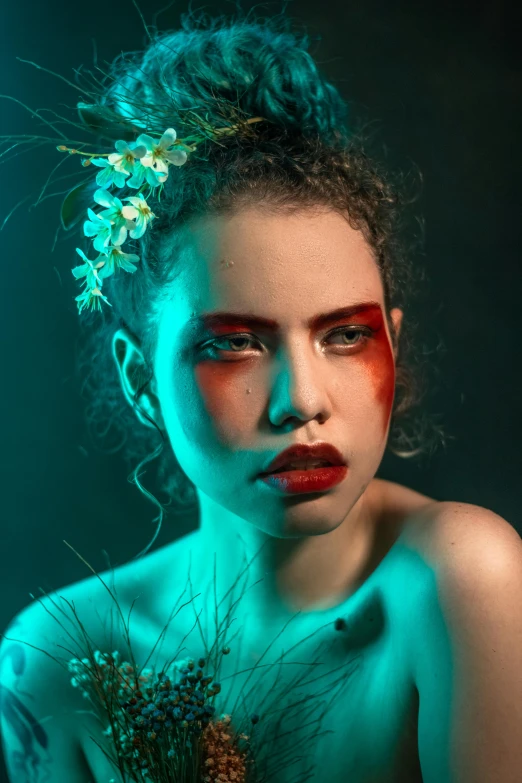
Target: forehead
[{"x": 286, "y": 265}]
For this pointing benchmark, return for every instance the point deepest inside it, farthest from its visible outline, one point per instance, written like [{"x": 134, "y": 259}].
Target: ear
[
  {"x": 396, "y": 316},
  {"x": 133, "y": 371}
]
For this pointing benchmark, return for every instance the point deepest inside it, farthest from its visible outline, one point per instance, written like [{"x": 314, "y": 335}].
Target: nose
[{"x": 298, "y": 388}]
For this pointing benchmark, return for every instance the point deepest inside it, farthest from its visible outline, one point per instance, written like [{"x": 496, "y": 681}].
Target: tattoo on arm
[{"x": 28, "y": 753}]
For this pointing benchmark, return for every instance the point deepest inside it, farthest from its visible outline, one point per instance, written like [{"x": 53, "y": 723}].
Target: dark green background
[{"x": 442, "y": 83}]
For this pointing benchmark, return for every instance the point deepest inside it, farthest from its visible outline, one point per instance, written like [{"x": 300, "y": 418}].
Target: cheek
[
  {"x": 378, "y": 363},
  {"x": 222, "y": 388}
]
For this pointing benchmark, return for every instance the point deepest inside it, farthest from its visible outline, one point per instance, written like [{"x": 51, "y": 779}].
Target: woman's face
[{"x": 235, "y": 393}]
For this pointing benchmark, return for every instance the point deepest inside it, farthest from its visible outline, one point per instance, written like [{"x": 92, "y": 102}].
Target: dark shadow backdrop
[{"x": 442, "y": 82}]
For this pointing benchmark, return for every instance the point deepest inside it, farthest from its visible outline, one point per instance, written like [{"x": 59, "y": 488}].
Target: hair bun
[{"x": 261, "y": 66}]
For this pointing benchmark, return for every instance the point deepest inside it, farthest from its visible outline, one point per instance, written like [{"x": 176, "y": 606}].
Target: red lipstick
[
  {"x": 293, "y": 482},
  {"x": 293, "y": 470}
]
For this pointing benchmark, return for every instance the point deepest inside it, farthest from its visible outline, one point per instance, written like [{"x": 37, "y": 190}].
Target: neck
[{"x": 292, "y": 574}]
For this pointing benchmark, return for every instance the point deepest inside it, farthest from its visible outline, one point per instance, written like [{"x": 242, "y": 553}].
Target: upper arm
[
  {"x": 37, "y": 732},
  {"x": 469, "y": 652}
]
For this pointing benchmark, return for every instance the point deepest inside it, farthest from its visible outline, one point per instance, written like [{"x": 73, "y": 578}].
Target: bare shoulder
[
  {"x": 55, "y": 627},
  {"x": 40, "y": 708},
  {"x": 465, "y": 560},
  {"x": 45, "y": 721},
  {"x": 448, "y": 544},
  {"x": 465, "y": 641},
  {"x": 452, "y": 532}
]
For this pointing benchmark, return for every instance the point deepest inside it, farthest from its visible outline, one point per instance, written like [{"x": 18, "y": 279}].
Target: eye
[
  {"x": 238, "y": 341},
  {"x": 232, "y": 339},
  {"x": 364, "y": 333}
]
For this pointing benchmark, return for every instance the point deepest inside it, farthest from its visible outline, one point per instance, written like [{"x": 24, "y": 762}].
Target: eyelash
[{"x": 364, "y": 330}]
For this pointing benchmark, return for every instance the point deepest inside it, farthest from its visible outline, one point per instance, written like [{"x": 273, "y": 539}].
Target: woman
[{"x": 260, "y": 343}]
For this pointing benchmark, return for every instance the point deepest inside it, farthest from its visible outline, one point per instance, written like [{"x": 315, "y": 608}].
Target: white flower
[
  {"x": 104, "y": 231},
  {"x": 89, "y": 270},
  {"x": 120, "y": 219},
  {"x": 159, "y": 154},
  {"x": 91, "y": 298},
  {"x": 110, "y": 174},
  {"x": 127, "y": 156},
  {"x": 117, "y": 259},
  {"x": 147, "y": 173},
  {"x": 144, "y": 214},
  {"x": 116, "y": 212}
]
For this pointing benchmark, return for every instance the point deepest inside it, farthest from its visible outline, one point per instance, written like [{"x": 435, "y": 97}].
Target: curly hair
[{"x": 303, "y": 156}]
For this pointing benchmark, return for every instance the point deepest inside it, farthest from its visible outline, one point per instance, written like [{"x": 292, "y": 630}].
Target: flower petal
[
  {"x": 130, "y": 213},
  {"x": 146, "y": 140},
  {"x": 161, "y": 166},
  {"x": 90, "y": 229},
  {"x": 139, "y": 230},
  {"x": 100, "y": 162},
  {"x": 101, "y": 241},
  {"x": 80, "y": 271},
  {"x": 119, "y": 177},
  {"x": 118, "y": 234},
  {"x": 93, "y": 216},
  {"x": 168, "y": 138},
  {"x": 81, "y": 254},
  {"x": 104, "y": 197},
  {"x": 115, "y": 159},
  {"x": 104, "y": 177},
  {"x": 138, "y": 150},
  {"x": 176, "y": 157},
  {"x": 136, "y": 181},
  {"x": 152, "y": 178},
  {"x": 125, "y": 262},
  {"x": 108, "y": 269},
  {"x": 147, "y": 160}
]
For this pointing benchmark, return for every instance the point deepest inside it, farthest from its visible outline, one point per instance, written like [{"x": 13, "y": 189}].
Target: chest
[{"x": 335, "y": 704}]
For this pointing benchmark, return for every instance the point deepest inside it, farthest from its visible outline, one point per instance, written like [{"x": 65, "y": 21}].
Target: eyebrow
[{"x": 219, "y": 318}]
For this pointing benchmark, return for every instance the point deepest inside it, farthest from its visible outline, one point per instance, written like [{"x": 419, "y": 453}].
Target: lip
[
  {"x": 300, "y": 451},
  {"x": 298, "y": 482}
]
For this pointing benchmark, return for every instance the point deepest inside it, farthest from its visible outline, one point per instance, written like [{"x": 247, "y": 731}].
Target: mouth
[
  {"x": 294, "y": 480},
  {"x": 300, "y": 466}
]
